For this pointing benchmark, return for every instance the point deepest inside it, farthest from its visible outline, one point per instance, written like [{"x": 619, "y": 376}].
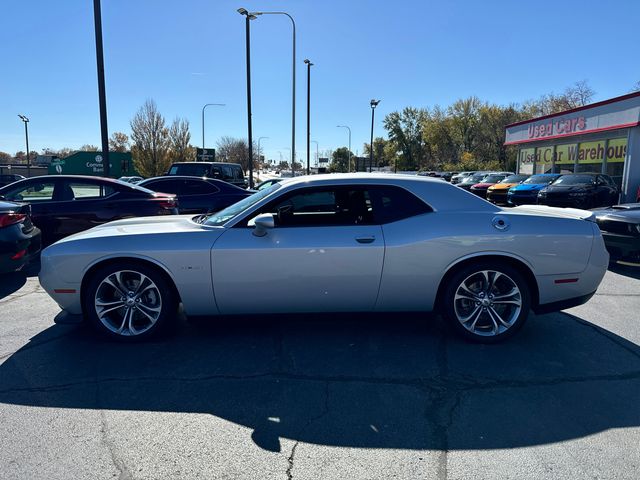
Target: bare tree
[
  {"x": 579, "y": 94},
  {"x": 89, "y": 148},
  {"x": 150, "y": 138},
  {"x": 235, "y": 150},
  {"x": 119, "y": 142},
  {"x": 636, "y": 87},
  {"x": 179, "y": 138}
]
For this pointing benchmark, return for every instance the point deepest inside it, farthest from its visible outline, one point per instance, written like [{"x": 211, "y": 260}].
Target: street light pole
[
  {"x": 205, "y": 106},
  {"x": 349, "y": 165},
  {"x": 248, "y": 17},
  {"x": 309, "y": 64},
  {"x": 374, "y": 104},
  {"x": 317, "y": 152},
  {"x": 293, "y": 84},
  {"x": 26, "y": 136},
  {"x": 102, "y": 96},
  {"x": 260, "y": 138}
]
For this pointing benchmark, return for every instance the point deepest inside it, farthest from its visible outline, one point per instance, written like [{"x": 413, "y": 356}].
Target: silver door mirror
[{"x": 262, "y": 224}]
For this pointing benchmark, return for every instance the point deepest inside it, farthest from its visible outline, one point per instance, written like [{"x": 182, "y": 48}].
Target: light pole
[
  {"x": 293, "y": 83},
  {"x": 248, "y": 17},
  {"x": 309, "y": 65},
  {"x": 26, "y": 136},
  {"x": 317, "y": 154},
  {"x": 205, "y": 106},
  {"x": 102, "y": 96},
  {"x": 374, "y": 104},
  {"x": 260, "y": 138},
  {"x": 349, "y": 164}
]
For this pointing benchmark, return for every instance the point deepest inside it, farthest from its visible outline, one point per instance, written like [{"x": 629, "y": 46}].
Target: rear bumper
[
  {"x": 622, "y": 246},
  {"x": 563, "y": 304},
  {"x": 25, "y": 247}
]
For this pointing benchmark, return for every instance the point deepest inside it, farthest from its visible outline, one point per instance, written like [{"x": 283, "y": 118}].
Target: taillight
[
  {"x": 7, "y": 219},
  {"x": 168, "y": 203}
]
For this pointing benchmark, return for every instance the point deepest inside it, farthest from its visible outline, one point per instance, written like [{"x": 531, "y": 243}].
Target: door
[{"x": 324, "y": 254}]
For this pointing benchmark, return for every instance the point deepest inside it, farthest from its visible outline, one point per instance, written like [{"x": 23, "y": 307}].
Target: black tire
[
  {"x": 484, "y": 301},
  {"x": 129, "y": 302}
]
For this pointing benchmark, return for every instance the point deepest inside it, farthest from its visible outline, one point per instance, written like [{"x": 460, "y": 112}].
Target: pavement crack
[
  {"x": 311, "y": 421},
  {"x": 123, "y": 471}
]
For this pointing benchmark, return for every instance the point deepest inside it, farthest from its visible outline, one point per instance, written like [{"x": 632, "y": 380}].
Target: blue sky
[{"x": 183, "y": 54}]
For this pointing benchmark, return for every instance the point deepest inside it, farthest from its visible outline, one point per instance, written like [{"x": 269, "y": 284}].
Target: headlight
[
  {"x": 634, "y": 228},
  {"x": 542, "y": 193},
  {"x": 578, "y": 194}
]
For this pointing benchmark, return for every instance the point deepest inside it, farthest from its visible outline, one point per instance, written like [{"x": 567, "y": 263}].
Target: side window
[
  {"x": 394, "y": 203},
  {"x": 227, "y": 173},
  {"x": 165, "y": 186},
  {"x": 193, "y": 187},
  {"x": 81, "y": 191},
  {"x": 32, "y": 193},
  {"x": 320, "y": 207}
]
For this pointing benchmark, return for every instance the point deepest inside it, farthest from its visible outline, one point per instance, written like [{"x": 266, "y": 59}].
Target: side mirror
[{"x": 262, "y": 224}]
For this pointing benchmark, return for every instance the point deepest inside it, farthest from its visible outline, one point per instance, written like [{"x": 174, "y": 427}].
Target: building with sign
[
  {"x": 602, "y": 137},
  {"x": 91, "y": 163}
]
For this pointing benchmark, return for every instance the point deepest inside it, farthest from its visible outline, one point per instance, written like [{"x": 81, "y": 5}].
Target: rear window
[{"x": 190, "y": 169}]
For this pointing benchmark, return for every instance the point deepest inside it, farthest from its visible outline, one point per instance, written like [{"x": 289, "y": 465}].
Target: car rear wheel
[
  {"x": 129, "y": 302},
  {"x": 487, "y": 303}
]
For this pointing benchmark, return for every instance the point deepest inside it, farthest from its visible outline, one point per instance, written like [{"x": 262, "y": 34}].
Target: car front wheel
[
  {"x": 129, "y": 302},
  {"x": 487, "y": 303}
]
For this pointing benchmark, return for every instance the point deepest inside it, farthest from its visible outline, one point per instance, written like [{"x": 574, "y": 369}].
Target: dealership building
[{"x": 602, "y": 137}]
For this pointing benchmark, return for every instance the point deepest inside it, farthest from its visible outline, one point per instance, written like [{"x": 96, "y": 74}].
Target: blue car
[{"x": 526, "y": 193}]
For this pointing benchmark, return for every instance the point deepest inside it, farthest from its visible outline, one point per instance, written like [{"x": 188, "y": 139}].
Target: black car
[
  {"x": 227, "y": 172},
  {"x": 620, "y": 227},
  {"x": 196, "y": 194},
  {"x": 8, "y": 178},
  {"x": 268, "y": 183},
  {"x": 468, "y": 182},
  {"x": 580, "y": 190},
  {"x": 19, "y": 238},
  {"x": 65, "y": 204}
]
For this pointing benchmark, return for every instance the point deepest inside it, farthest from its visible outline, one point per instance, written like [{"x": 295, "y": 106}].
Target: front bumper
[{"x": 624, "y": 247}]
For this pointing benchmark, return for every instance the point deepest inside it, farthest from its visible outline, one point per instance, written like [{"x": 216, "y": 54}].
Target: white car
[{"x": 328, "y": 243}]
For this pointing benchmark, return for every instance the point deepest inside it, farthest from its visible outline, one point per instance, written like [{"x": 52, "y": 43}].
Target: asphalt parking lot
[{"x": 308, "y": 397}]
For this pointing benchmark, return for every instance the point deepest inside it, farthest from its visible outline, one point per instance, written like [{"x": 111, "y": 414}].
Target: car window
[
  {"x": 540, "y": 179},
  {"x": 323, "y": 206},
  {"x": 165, "y": 186},
  {"x": 198, "y": 187},
  {"x": 574, "y": 180},
  {"x": 227, "y": 173},
  {"x": 394, "y": 203},
  {"x": 227, "y": 214},
  {"x": 80, "y": 191},
  {"x": 32, "y": 192}
]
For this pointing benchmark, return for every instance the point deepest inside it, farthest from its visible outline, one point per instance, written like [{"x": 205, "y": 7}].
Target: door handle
[{"x": 370, "y": 239}]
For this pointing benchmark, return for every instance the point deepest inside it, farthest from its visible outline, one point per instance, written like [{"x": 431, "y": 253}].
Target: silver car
[{"x": 329, "y": 243}]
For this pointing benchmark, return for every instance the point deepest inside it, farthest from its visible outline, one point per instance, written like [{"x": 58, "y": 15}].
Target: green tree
[
  {"x": 405, "y": 131},
  {"x": 384, "y": 152},
  {"x": 340, "y": 160},
  {"x": 150, "y": 138}
]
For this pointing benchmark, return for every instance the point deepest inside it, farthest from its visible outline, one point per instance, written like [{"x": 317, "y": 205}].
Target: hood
[
  {"x": 546, "y": 211},
  {"x": 626, "y": 212},
  {"x": 581, "y": 187},
  {"x": 529, "y": 187},
  {"x": 502, "y": 186},
  {"x": 482, "y": 185},
  {"x": 140, "y": 226}
]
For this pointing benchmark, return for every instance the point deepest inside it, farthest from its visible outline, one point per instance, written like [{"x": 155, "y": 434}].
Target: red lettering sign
[{"x": 563, "y": 126}]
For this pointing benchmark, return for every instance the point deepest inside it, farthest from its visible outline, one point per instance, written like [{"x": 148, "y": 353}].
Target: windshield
[
  {"x": 574, "y": 180},
  {"x": 514, "y": 179},
  {"x": 223, "y": 216},
  {"x": 492, "y": 178},
  {"x": 537, "y": 179}
]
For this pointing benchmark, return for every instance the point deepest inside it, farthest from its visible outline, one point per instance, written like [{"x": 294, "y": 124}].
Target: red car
[
  {"x": 62, "y": 205},
  {"x": 481, "y": 188}
]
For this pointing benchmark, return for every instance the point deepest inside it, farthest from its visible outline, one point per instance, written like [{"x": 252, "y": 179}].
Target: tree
[
  {"x": 383, "y": 152},
  {"x": 465, "y": 118},
  {"x": 340, "y": 160},
  {"x": 636, "y": 87},
  {"x": 150, "y": 139},
  {"x": 405, "y": 131},
  {"x": 5, "y": 157},
  {"x": 179, "y": 137},
  {"x": 236, "y": 150},
  {"x": 119, "y": 142},
  {"x": 89, "y": 148}
]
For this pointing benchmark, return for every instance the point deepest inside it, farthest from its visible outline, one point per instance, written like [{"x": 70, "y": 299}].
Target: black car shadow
[
  {"x": 632, "y": 271},
  {"x": 368, "y": 381},
  {"x": 13, "y": 281}
]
